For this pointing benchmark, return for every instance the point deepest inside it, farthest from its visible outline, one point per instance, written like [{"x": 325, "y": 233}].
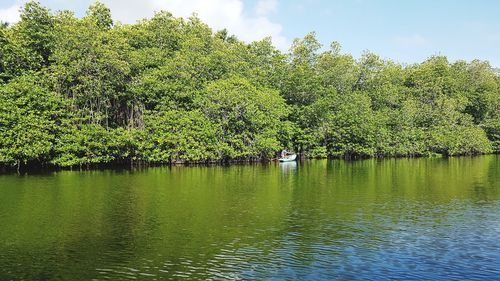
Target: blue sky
[{"x": 406, "y": 31}]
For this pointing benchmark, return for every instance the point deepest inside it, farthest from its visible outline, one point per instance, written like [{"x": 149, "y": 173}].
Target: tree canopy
[{"x": 82, "y": 91}]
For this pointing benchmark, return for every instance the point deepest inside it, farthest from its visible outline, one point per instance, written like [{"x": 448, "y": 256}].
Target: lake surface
[{"x": 408, "y": 219}]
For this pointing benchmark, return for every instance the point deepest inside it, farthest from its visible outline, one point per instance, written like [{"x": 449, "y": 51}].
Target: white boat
[{"x": 288, "y": 158}]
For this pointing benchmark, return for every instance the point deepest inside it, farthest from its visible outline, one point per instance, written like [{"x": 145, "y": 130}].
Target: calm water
[{"x": 408, "y": 219}]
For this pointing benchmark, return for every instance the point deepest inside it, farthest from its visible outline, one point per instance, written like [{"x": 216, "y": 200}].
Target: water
[{"x": 408, "y": 219}]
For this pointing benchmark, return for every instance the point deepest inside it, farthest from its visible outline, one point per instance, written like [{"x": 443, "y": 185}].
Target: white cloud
[
  {"x": 10, "y": 14},
  {"x": 265, "y": 7},
  {"x": 218, "y": 14},
  {"x": 411, "y": 41}
]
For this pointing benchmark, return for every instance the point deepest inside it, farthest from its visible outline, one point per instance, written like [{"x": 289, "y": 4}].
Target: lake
[{"x": 407, "y": 219}]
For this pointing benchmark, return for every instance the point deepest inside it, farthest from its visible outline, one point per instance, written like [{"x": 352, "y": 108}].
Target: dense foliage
[{"x": 81, "y": 91}]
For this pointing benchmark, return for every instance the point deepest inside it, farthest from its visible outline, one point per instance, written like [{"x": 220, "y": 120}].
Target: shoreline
[{"x": 37, "y": 168}]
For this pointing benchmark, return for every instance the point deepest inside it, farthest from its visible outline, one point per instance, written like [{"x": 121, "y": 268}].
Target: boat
[{"x": 288, "y": 158}]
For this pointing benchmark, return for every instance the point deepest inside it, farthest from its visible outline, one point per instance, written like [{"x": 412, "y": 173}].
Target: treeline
[{"x": 83, "y": 91}]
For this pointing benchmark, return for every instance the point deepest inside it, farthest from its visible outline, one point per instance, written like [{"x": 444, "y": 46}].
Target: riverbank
[{"x": 35, "y": 167}]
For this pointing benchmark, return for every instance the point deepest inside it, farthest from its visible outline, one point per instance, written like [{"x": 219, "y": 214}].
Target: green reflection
[{"x": 228, "y": 222}]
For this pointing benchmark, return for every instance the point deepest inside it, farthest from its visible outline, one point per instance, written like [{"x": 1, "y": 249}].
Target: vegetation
[{"x": 87, "y": 91}]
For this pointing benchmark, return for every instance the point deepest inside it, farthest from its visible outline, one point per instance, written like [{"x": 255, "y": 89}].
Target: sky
[{"x": 406, "y": 31}]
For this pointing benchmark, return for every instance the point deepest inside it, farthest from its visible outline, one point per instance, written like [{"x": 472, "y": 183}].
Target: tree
[
  {"x": 344, "y": 125},
  {"x": 101, "y": 15},
  {"x": 30, "y": 119},
  {"x": 35, "y": 31},
  {"x": 90, "y": 144},
  {"x": 27, "y": 45},
  {"x": 90, "y": 67},
  {"x": 178, "y": 136},
  {"x": 86, "y": 91},
  {"x": 337, "y": 71},
  {"x": 302, "y": 86},
  {"x": 249, "y": 117}
]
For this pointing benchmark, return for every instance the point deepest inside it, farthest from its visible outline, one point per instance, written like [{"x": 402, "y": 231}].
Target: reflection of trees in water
[
  {"x": 71, "y": 222},
  {"x": 493, "y": 176},
  {"x": 306, "y": 233},
  {"x": 343, "y": 207},
  {"x": 250, "y": 221},
  {"x": 106, "y": 224},
  {"x": 121, "y": 218},
  {"x": 211, "y": 212}
]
